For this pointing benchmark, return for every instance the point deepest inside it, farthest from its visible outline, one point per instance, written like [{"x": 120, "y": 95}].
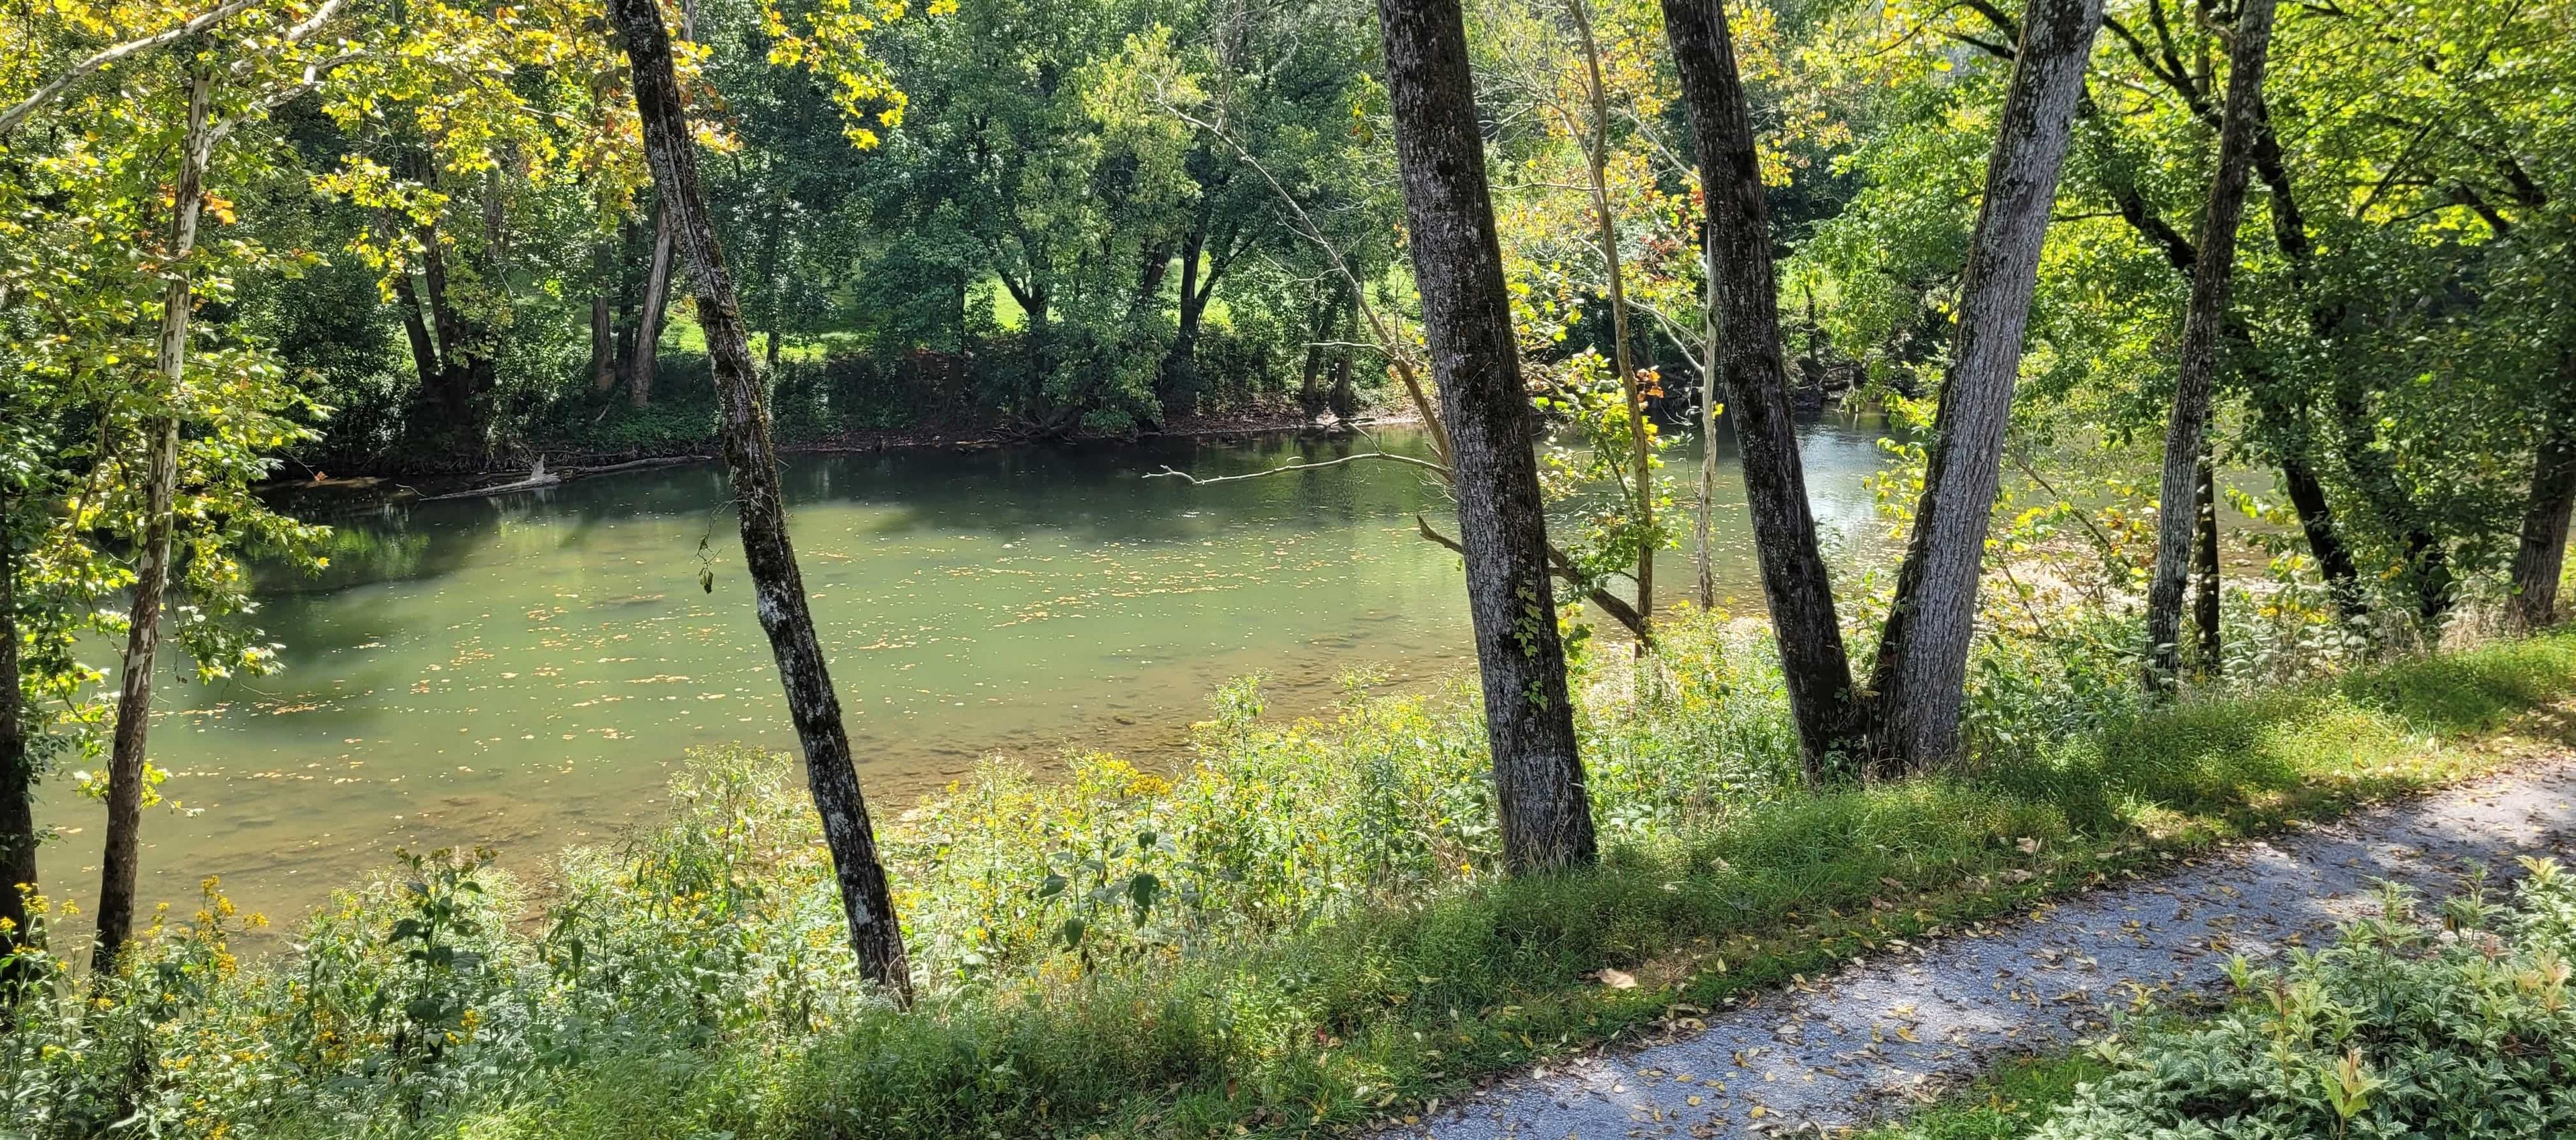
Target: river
[{"x": 525, "y": 671}]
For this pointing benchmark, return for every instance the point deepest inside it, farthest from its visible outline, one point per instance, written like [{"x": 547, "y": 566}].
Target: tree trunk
[
  {"x": 1749, "y": 357},
  {"x": 2542, "y": 557},
  {"x": 152, "y": 570},
  {"x": 1606, "y": 232},
  {"x": 773, "y": 290},
  {"x": 2204, "y": 561},
  {"x": 603, "y": 327},
  {"x": 647, "y": 349},
  {"x": 455, "y": 377},
  {"x": 779, "y": 588},
  {"x": 2278, "y": 423},
  {"x": 1326, "y": 316},
  {"x": 2213, "y": 274},
  {"x": 424, "y": 352},
  {"x": 1706, "y": 561},
  {"x": 1923, "y": 651},
  {"x": 1344, "y": 400},
  {"x": 1181, "y": 364},
  {"x": 17, "y": 777},
  {"x": 1545, "y": 812}
]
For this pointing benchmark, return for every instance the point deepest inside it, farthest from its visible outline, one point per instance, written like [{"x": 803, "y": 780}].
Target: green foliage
[
  {"x": 1303, "y": 926},
  {"x": 2401, "y": 1029}
]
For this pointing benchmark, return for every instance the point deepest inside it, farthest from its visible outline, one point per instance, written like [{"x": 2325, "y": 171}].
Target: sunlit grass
[{"x": 1325, "y": 942}]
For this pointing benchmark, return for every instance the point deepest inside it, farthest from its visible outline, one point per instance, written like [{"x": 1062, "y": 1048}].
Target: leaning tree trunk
[
  {"x": 2542, "y": 557},
  {"x": 1923, "y": 649},
  {"x": 17, "y": 777},
  {"x": 118, "y": 868},
  {"x": 778, "y": 587},
  {"x": 647, "y": 350},
  {"x": 1749, "y": 356},
  {"x": 1545, "y": 812},
  {"x": 2213, "y": 273}
]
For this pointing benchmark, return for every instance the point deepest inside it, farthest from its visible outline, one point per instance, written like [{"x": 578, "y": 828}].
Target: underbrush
[
  {"x": 1301, "y": 931},
  {"x": 2454, "y": 1023}
]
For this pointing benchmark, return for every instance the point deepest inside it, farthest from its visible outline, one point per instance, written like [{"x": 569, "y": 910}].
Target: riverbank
[
  {"x": 439, "y": 474},
  {"x": 1324, "y": 944}
]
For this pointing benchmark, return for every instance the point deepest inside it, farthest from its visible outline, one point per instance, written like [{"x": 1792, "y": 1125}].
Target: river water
[{"x": 525, "y": 671}]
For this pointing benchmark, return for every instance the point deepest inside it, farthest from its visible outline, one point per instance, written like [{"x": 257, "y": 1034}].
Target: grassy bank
[{"x": 1302, "y": 932}]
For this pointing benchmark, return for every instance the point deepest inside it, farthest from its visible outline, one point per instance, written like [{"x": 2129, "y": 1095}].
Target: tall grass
[{"x": 1301, "y": 930}]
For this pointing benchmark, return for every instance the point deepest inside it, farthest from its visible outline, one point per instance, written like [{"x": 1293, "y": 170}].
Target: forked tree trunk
[
  {"x": 778, "y": 587},
  {"x": 1750, "y": 358},
  {"x": 152, "y": 569},
  {"x": 1923, "y": 650},
  {"x": 1546, "y": 814},
  {"x": 2541, "y": 559},
  {"x": 647, "y": 349},
  {"x": 2195, "y": 369}
]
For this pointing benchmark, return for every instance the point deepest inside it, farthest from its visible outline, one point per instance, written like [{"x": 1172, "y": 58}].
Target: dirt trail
[{"x": 1877, "y": 1036}]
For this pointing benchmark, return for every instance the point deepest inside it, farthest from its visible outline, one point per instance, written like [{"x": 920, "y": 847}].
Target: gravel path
[{"x": 1840, "y": 1051}]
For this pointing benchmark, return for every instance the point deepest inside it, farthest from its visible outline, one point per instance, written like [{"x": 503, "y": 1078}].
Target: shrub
[
  {"x": 1300, "y": 927},
  {"x": 2463, "y": 1030}
]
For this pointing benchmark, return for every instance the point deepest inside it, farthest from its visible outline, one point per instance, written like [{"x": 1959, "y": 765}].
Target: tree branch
[
  {"x": 10, "y": 118},
  {"x": 1299, "y": 465}
]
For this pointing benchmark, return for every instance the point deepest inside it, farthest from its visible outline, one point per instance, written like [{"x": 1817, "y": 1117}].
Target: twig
[{"x": 2080, "y": 516}]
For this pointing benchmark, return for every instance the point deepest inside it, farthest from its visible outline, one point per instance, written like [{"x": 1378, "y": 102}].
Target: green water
[{"x": 525, "y": 671}]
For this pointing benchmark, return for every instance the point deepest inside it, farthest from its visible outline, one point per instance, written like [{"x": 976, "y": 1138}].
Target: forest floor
[{"x": 1832, "y": 1054}]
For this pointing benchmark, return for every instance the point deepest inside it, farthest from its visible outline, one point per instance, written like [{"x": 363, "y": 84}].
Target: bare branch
[
  {"x": 1563, "y": 567},
  {"x": 1299, "y": 465}
]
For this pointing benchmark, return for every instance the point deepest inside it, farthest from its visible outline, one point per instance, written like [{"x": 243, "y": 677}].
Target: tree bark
[
  {"x": 2204, "y": 562},
  {"x": 647, "y": 349},
  {"x": 455, "y": 378},
  {"x": 17, "y": 776},
  {"x": 1326, "y": 316},
  {"x": 773, "y": 290},
  {"x": 152, "y": 571},
  {"x": 1343, "y": 399},
  {"x": 1545, "y": 811},
  {"x": 1923, "y": 650},
  {"x": 1181, "y": 364},
  {"x": 2213, "y": 274},
  {"x": 424, "y": 352},
  {"x": 875, "y": 933},
  {"x": 1706, "y": 561},
  {"x": 1749, "y": 356},
  {"x": 2541, "y": 559},
  {"x": 603, "y": 326}
]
